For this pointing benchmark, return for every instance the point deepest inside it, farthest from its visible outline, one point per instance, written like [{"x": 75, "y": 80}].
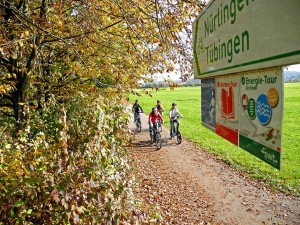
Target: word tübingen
[{"x": 226, "y": 50}]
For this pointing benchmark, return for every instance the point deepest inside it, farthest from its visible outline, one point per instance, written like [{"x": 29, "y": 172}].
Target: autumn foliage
[
  {"x": 65, "y": 68},
  {"x": 76, "y": 174}
]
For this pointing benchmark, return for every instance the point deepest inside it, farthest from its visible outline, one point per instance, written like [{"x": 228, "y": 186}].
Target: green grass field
[{"x": 188, "y": 101}]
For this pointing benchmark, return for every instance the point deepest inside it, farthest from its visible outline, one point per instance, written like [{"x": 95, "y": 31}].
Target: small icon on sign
[
  {"x": 244, "y": 101},
  {"x": 273, "y": 97},
  {"x": 227, "y": 104},
  {"x": 263, "y": 109}
]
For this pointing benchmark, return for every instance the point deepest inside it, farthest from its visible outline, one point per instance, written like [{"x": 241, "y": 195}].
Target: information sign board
[
  {"x": 247, "y": 109},
  {"x": 260, "y": 114}
]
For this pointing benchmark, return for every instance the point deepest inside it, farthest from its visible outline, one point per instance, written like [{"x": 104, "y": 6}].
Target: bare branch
[
  {"x": 6, "y": 114},
  {"x": 157, "y": 22},
  {"x": 7, "y": 105},
  {"x": 81, "y": 35},
  {"x": 6, "y": 97},
  {"x": 3, "y": 131}
]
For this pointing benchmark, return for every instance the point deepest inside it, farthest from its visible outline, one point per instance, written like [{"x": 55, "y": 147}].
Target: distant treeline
[
  {"x": 291, "y": 76},
  {"x": 162, "y": 84}
]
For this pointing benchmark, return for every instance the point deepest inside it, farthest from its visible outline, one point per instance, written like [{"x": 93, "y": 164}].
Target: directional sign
[{"x": 232, "y": 36}]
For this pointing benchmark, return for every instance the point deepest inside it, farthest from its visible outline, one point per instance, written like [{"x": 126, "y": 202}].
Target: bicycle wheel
[
  {"x": 174, "y": 133},
  {"x": 179, "y": 138},
  {"x": 139, "y": 125},
  {"x": 151, "y": 137},
  {"x": 160, "y": 126},
  {"x": 158, "y": 141}
]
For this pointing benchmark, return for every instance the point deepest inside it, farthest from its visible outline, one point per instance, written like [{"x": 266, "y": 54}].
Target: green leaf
[
  {"x": 19, "y": 203},
  {"x": 8, "y": 146},
  {"x": 33, "y": 180}
]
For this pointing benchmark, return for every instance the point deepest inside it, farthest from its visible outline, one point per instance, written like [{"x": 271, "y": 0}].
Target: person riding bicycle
[
  {"x": 136, "y": 109},
  {"x": 159, "y": 107},
  {"x": 173, "y": 115},
  {"x": 154, "y": 116}
]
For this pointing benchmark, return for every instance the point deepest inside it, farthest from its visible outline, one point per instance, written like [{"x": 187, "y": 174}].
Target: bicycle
[
  {"x": 176, "y": 131},
  {"x": 138, "y": 122},
  {"x": 159, "y": 125},
  {"x": 155, "y": 135}
]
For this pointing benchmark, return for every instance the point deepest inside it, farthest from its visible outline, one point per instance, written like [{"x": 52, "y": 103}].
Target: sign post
[{"x": 239, "y": 47}]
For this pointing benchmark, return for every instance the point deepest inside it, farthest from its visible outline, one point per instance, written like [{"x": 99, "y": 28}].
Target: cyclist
[
  {"x": 159, "y": 107},
  {"x": 173, "y": 115},
  {"x": 153, "y": 117},
  {"x": 136, "y": 109}
]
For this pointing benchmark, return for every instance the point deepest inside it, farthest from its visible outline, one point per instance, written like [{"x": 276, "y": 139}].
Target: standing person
[
  {"x": 154, "y": 116},
  {"x": 173, "y": 115},
  {"x": 136, "y": 109},
  {"x": 159, "y": 107}
]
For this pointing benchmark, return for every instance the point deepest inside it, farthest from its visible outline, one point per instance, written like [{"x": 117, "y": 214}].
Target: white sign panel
[
  {"x": 260, "y": 114},
  {"x": 232, "y": 36}
]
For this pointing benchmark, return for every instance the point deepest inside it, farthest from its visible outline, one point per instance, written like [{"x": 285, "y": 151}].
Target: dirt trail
[{"x": 192, "y": 187}]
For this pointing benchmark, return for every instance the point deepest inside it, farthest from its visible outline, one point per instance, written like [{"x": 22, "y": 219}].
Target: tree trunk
[{"x": 21, "y": 108}]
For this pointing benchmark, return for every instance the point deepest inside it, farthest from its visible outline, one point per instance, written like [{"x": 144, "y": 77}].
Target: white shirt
[{"x": 174, "y": 112}]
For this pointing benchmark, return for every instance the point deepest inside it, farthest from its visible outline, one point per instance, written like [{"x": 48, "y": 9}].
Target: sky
[{"x": 293, "y": 67}]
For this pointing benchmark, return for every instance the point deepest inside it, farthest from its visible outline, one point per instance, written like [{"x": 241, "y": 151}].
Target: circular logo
[
  {"x": 273, "y": 97},
  {"x": 263, "y": 109},
  {"x": 243, "y": 80},
  {"x": 251, "y": 108},
  {"x": 244, "y": 101}
]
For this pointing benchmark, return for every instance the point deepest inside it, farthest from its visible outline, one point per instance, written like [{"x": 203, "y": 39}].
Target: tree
[
  {"x": 61, "y": 44},
  {"x": 65, "y": 66}
]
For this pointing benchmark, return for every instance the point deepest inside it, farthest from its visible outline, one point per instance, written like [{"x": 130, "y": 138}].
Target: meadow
[{"x": 188, "y": 100}]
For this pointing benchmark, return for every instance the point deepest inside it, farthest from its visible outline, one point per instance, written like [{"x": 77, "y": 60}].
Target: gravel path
[{"x": 190, "y": 186}]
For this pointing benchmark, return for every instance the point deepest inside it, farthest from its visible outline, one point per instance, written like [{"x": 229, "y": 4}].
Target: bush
[{"x": 68, "y": 167}]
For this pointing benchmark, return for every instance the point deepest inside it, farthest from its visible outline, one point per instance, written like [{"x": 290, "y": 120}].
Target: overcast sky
[{"x": 294, "y": 67}]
